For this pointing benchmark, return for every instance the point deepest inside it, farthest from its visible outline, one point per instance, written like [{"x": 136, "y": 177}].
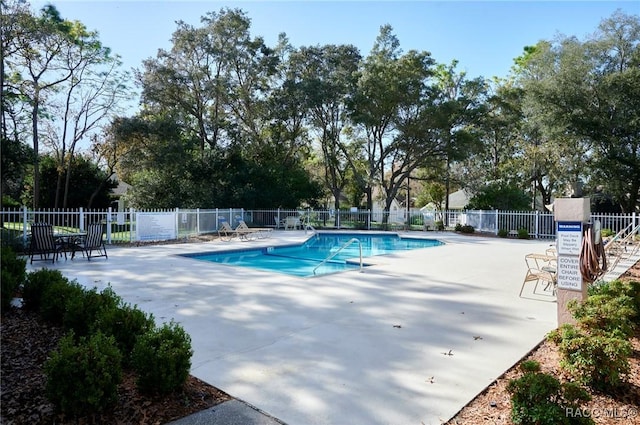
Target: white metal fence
[{"x": 133, "y": 225}]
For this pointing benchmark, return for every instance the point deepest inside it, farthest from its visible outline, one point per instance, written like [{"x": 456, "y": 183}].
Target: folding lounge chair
[
  {"x": 260, "y": 232},
  {"x": 225, "y": 232},
  {"x": 92, "y": 245},
  {"x": 622, "y": 245},
  {"x": 541, "y": 268},
  {"x": 44, "y": 243}
]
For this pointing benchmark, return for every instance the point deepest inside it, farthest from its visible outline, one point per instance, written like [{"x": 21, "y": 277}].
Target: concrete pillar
[{"x": 570, "y": 215}]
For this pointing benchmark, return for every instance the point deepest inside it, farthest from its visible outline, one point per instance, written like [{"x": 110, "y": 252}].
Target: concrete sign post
[{"x": 570, "y": 215}]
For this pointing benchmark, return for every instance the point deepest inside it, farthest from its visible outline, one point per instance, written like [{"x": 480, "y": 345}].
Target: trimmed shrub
[
  {"x": 606, "y": 312},
  {"x": 126, "y": 324},
  {"x": 36, "y": 284},
  {"x": 55, "y": 297},
  {"x": 439, "y": 225},
  {"x": 82, "y": 311},
  {"x": 503, "y": 233},
  {"x": 13, "y": 275},
  {"x": 615, "y": 288},
  {"x": 540, "y": 399},
  {"x": 162, "y": 359},
  {"x": 458, "y": 227},
  {"x": 599, "y": 359},
  {"x": 523, "y": 233},
  {"x": 12, "y": 238},
  {"x": 467, "y": 229},
  {"x": 83, "y": 377}
]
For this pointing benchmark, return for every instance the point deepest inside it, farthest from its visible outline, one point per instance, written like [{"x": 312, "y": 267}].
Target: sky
[{"x": 484, "y": 36}]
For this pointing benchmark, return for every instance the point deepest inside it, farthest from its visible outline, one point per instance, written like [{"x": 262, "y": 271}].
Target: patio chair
[
  {"x": 261, "y": 232},
  {"x": 279, "y": 223},
  {"x": 44, "y": 243},
  {"x": 292, "y": 222},
  {"x": 541, "y": 268},
  {"x": 92, "y": 245},
  {"x": 225, "y": 231}
]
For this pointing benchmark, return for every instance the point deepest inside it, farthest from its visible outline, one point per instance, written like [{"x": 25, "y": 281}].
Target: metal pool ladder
[{"x": 349, "y": 242}]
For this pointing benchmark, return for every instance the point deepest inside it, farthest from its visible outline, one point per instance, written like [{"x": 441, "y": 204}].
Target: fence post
[
  {"x": 176, "y": 222},
  {"x": 133, "y": 221},
  {"x": 81, "y": 219},
  {"x": 537, "y": 228},
  {"x": 197, "y": 221},
  {"x": 109, "y": 225},
  {"x": 338, "y": 219},
  {"x": 497, "y": 223},
  {"x": 24, "y": 225}
]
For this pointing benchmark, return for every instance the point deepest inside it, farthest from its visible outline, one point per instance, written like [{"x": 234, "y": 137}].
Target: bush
[
  {"x": 162, "y": 359},
  {"x": 13, "y": 276},
  {"x": 523, "y": 233},
  {"x": 458, "y": 227},
  {"x": 467, "y": 229},
  {"x": 126, "y": 324},
  {"x": 503, "y": 233},
  {"x": 619, "y": 287},
  {"x": 55, "y": 297},
  {"x": 11, "y": 238},
  {"x": 540, "y": 399},
  {"x": 599, "y": 360},
  {"x": 82, "y": 311},
  {"x": 83, "y": 378},
  {"x": 35, "y": 285},
  {"x": 439, "y": 225},
  {"x": 605, "y": 312},
  {"x": 605, "y": 233}
]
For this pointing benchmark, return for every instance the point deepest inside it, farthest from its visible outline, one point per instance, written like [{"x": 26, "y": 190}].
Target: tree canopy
[{"x": 228, "y": 120}]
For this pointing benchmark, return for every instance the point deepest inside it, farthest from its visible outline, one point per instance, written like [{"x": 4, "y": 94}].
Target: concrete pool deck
[{"x": 410, "y": 340}]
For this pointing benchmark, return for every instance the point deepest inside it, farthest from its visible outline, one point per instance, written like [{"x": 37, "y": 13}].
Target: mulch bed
[{"x": 26, "y": 342}]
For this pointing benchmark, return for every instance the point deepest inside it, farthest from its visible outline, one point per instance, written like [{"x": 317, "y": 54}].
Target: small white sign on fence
[{"x": 155, "y": 226}]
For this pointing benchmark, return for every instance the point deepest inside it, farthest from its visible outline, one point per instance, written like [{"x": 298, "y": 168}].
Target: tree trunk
[{"x": 36, "y": 153}]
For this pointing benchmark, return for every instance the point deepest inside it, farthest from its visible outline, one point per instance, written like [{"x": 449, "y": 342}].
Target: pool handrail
[{"x": 330, "y": 256}]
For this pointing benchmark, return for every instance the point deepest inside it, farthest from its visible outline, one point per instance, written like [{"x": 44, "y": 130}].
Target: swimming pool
[{"x": 308, "y": 259}]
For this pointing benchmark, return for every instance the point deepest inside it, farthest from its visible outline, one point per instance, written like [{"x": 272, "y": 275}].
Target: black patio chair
[
  {"x": 43, "y": 243},
  {"x": 92, "y": 244}
]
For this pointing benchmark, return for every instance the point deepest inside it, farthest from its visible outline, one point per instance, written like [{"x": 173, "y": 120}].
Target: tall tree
[
  {"x": 460, "y": 106},
  {"x": 214, "y": 78},
  {"x": 87, "y": 100},
  {"x": 62, "y": 81},
  {"x": 499, "y": 129},
  {"x": 39, "y": 46},
  {"x": 583, "y": 99},
  {"x": 391, "y": 99},
  {"x": 327, "y": 80}
]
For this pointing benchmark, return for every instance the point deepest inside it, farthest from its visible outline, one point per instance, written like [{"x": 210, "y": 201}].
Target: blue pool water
[{"x": 301, "y": 260}]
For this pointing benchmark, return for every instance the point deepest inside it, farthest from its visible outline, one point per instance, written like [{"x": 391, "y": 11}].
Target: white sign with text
[
  {"x": 568, "y": 273},
  {"x": 157, "y": 226},
  {"x": 569, "y": 238}
]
